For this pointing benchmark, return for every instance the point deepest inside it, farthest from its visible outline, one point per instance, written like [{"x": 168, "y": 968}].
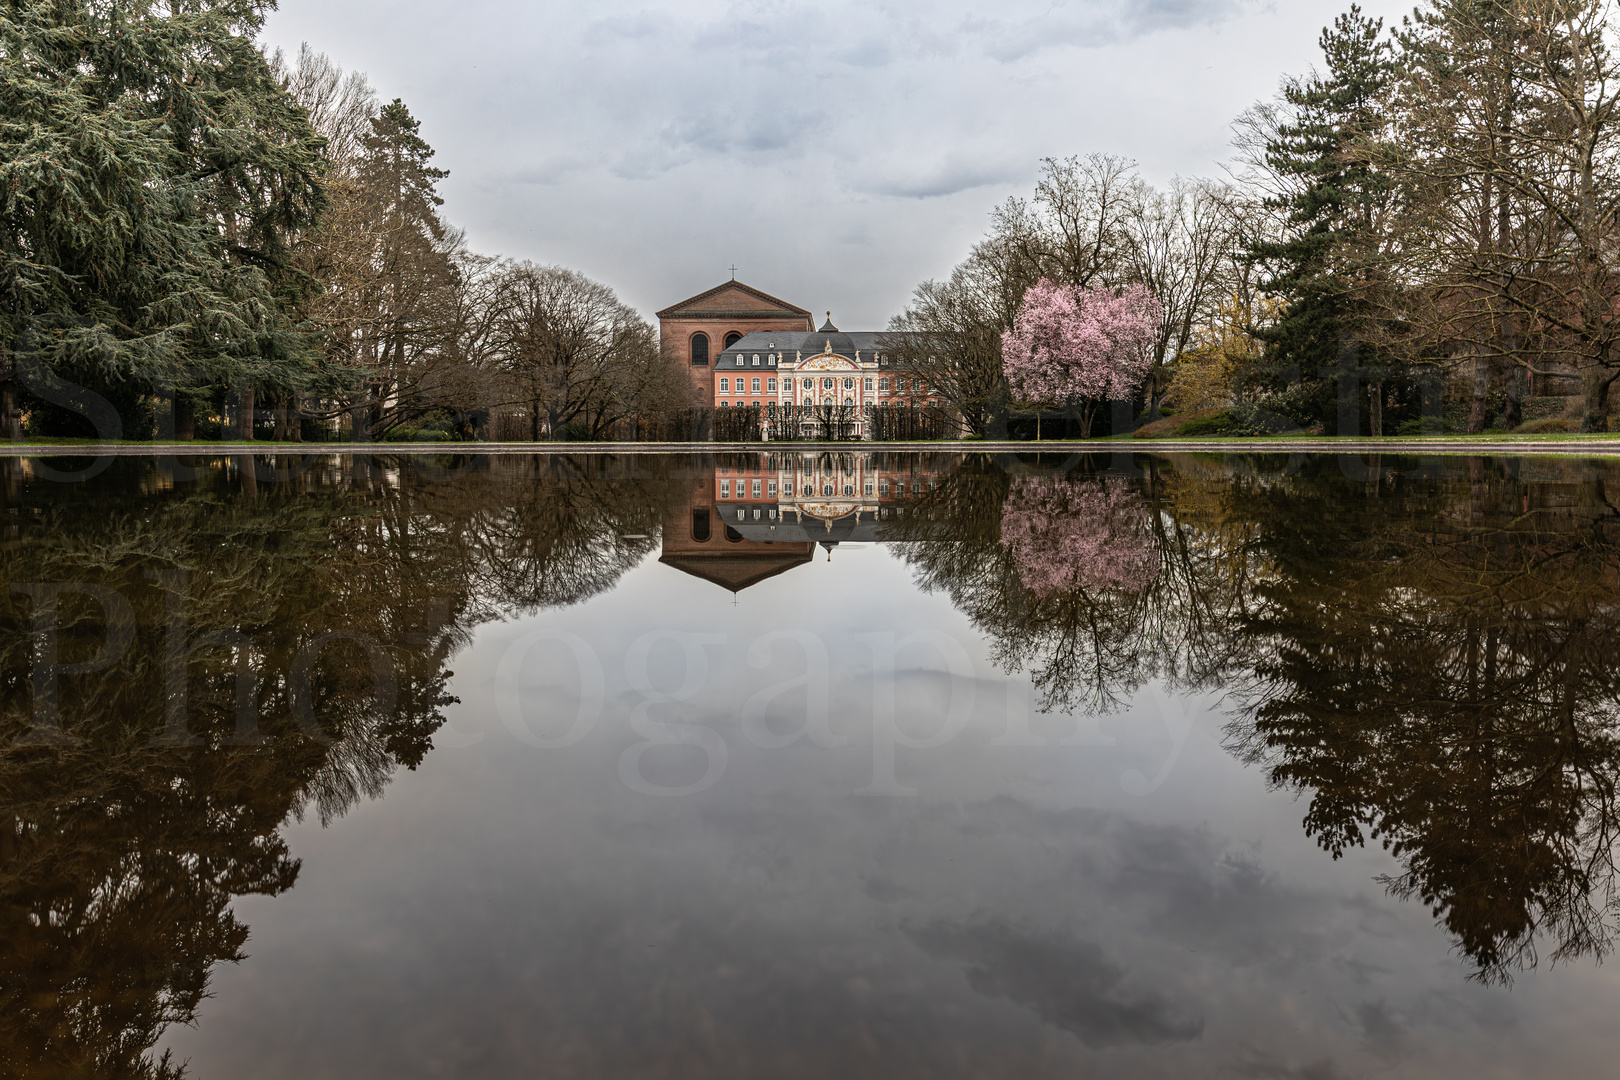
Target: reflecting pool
[{"x": 809, "y": 765}]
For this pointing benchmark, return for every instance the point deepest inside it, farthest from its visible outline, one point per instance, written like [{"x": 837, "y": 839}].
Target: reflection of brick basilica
[
  {"x": 753, "y": 516},
  {"x": 746, "y": 349}
]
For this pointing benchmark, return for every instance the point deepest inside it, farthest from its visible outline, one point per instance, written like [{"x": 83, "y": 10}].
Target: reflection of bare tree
[
  {"x": 1444, "y": 683},
  {"x": 1091, "y": 583},
  {"x": 120, "y": 855}
]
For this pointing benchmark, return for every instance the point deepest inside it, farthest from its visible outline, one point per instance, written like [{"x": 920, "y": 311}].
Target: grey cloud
[
  {"x": 1259, "y": 1068},
  {"x": 883, "y": 890},
  {"x": 1010, "y": 41},
  {"x": 946, "y": 179},
  {"x": 649, "y": 26},
  {"x": 1069, "y": 983},
  {"x": 1145, "y": 16},
  {"x": 548, "y": 173},
  {"x": 1381, "y": 1028},
  {"x": 760, "y": 130},
  {"x": 766, "y": 35},
  {"x": 870, "y": 53}
]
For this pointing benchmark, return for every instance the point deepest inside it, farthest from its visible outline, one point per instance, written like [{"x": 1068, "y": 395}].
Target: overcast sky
[{"x": 837, "y": 153}]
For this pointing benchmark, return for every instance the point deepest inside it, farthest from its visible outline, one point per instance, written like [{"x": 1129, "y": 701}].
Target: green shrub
[
  {"x": 1217, "y": 424},
  {"x": 1549, "y": 424}
]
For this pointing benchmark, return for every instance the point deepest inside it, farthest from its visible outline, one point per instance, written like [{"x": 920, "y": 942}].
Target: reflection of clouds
[
  {"x": 771, "y": 927},
  {"x": 1261, "y": 1068},
  {"x": 509, "y": 911},
  {"x": 1067, "y": 982}
]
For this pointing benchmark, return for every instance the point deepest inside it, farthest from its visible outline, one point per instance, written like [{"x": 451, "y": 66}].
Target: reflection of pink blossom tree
[
  {"x": 1080, "y": 347},
  {"x": 1068, "y": 537}
]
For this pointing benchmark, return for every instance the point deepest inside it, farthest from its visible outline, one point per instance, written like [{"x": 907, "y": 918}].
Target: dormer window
[{"x": 756, "y": 359}]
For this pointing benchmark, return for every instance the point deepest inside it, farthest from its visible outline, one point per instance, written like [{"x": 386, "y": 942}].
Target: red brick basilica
[{"x": 698, "y": 329}]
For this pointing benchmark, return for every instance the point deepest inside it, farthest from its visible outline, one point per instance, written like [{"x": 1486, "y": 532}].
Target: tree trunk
[
  {"x": 247, "y": 473},
  {"x": 244, "y": 415},
  {"x": 1479, "y": 406},
  {"x": 1375, "y": 408},
  {"x": 1155, "y": 387},
  {"x": 185, "y": 418},
  {"x": 1595, "y": 394},
  {"x": 10, "y": 419},
  {"x": 1513, "y": 412},
  {"x": 357, "y": 417}
]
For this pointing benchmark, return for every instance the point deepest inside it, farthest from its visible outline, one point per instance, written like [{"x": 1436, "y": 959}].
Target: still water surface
[{"x": 806, "y": 766}]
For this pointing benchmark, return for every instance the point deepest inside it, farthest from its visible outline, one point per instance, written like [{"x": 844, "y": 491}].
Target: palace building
[{"x": 772, "y": 359}]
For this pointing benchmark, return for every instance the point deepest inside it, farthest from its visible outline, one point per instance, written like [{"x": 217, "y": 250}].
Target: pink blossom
[
  {"x": 1070, "y": 345},
  {"x": 1067, "y": 536}
]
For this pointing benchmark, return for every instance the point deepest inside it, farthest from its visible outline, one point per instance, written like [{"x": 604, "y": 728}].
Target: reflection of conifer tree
[
  {"x": 1444, "y": 684},
  {"x": 120, "y": 856}
]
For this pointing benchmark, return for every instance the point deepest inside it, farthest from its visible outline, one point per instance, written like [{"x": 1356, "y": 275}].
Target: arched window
[
  {"x": 700, "y": 525},
  {"x": 732, "y": 339},
  {"x": 700, "y": 350}
]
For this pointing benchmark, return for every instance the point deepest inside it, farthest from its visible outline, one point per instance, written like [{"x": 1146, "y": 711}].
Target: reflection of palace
[
  {"x": 758, "y": 515},
  {"x": 770, "y": 358}
]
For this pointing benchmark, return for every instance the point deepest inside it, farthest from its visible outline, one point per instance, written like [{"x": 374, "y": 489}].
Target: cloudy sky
[{"x": 836, "y": 153}]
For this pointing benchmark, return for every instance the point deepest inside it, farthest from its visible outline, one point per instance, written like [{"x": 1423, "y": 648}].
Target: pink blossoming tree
[
  {"x": 1080, "y": 347},
  {"x": 1085, "y": 537}
]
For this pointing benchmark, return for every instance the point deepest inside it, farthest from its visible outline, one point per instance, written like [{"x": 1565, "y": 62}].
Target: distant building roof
[
  {"x": 701, "y": 306},
  {"x": 764, "y": 342},
  {"x": 737, "y": 570}
]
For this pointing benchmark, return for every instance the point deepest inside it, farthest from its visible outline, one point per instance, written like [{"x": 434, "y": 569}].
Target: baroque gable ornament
[
  {"x": 829, "y": 511},
  {"x": 830, "y": 362}
]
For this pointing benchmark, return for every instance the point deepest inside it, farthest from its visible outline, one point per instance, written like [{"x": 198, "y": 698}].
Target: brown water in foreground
[{"x": 860, "y": 764}]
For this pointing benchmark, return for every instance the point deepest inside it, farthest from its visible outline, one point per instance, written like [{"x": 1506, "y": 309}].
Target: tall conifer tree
[
  {"x": 152, "y": 172},
  {"x": 1325, "y": 258}
]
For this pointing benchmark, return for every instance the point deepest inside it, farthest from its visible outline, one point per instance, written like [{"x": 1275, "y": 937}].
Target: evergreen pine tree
[{"x": 1326, "y": 258}]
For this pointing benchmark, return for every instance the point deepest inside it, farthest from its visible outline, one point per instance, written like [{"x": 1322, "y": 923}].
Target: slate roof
[
  {"x": 693, "y": 304},
  {"x": 737, "y": 571},
  {"x": 765, "y": 342},
  {"x": 857, "y": 528}
]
